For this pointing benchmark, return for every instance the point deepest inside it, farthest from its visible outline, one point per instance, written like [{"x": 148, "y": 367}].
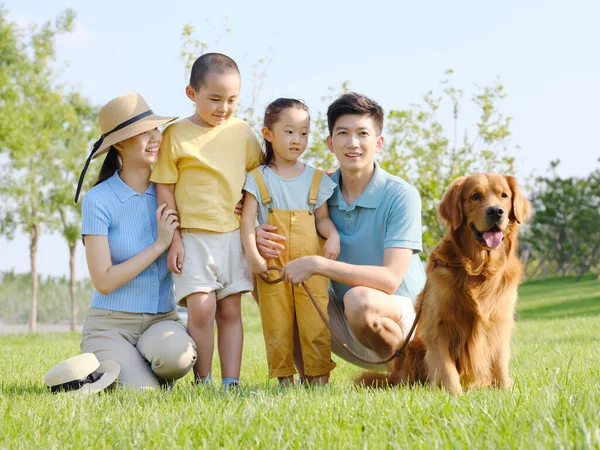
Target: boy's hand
[
  {"x": 175, "y": 256},
  {"x": 259, "y": 267},
  {"x": 331, "y": 249},
  {"x": 238, "y": 207},
  {"x": 167, "y": 224}
]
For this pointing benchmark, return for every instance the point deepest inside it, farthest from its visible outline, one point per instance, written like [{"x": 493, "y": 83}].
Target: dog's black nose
[{"x": 495, "y": 212}]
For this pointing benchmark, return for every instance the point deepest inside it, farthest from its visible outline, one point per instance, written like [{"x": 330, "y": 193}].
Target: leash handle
[{"x": 334, "y": 334}]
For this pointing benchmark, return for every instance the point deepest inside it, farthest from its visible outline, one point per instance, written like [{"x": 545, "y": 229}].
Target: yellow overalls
[{"x": 282, "y": 304}]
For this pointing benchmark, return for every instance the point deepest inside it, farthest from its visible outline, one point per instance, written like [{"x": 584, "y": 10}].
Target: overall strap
[
  {"x": 262, "y": 189},
  {"x": 314, "y": 190}
]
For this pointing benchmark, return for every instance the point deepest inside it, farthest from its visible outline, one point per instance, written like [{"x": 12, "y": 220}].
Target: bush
[{"x": 54, "y": 301}]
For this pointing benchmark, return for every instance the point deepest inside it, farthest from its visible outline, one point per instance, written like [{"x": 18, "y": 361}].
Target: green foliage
[
  {"x": 565, "y": 231},
  {"x": 553, "y": 404}
]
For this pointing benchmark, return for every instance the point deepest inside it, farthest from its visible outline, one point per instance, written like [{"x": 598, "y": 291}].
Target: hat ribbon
[
  {"x": 99, "y": 143},
  {"x": 77, "y": 384}
]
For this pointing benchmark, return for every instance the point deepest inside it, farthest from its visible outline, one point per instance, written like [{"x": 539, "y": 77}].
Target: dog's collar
[{"x": 441, "y": 263}]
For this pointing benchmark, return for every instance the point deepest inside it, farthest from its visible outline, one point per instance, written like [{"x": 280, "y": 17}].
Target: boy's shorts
[
  {"x": 212, "y": 262},
  {"x": 338, "y": 322}
]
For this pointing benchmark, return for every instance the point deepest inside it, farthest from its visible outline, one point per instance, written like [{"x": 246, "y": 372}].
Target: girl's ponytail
[{"x": 111, "y": 164}]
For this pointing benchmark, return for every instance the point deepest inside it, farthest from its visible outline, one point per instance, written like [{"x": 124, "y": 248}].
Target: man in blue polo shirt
[{"x": 378, "y": 273}]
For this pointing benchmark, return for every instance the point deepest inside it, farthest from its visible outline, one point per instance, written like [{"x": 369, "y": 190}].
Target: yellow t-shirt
[{"x": 208, "y": 167}]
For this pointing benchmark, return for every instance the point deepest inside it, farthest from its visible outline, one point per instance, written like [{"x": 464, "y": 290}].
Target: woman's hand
[
  {"x": 266, "y": 241},
  {"x": 167, "y": 222}
]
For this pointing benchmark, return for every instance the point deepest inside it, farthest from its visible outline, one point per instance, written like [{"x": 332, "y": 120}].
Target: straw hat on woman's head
[{"x": 120, "y": 119}]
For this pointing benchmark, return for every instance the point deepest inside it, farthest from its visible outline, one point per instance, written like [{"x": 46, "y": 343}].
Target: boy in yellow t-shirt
[{"x": 200, "y": 172}]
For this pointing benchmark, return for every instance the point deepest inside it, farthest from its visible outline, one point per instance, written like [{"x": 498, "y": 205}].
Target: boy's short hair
[
  {"x": 355, "y": 104},
  {"x": 211, "y": 62}
]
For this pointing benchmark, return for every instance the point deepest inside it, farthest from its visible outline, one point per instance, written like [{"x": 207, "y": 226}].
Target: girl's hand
[
  {"x": 331, "y": 249},
  {"x": 167, "y": 222},
  {"x": 259, "y": 267}
]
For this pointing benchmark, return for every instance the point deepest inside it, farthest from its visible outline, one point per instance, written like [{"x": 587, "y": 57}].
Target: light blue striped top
[{"x": 114, "y": 209}]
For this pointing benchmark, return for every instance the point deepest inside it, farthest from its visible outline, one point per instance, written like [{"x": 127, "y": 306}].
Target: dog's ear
[
  {"x": 451, "y": 207},
  {"x": 521, "y": 209}
]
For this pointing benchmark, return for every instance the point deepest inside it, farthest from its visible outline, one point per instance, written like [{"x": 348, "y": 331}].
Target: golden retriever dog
[{"x": 467, "y": 307}]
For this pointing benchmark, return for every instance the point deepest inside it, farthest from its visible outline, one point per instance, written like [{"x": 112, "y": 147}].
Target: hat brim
[
  {"x": 112, "y": 369},
  {"x": 146, "y": 124}
]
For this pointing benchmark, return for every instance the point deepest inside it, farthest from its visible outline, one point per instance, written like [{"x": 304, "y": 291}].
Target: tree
[
  {"x": 30, "y": 126},
  {"x": 420, "y": 150},
  {"x": 79, "y": 125},
  {"x": 564, "y": 234}
]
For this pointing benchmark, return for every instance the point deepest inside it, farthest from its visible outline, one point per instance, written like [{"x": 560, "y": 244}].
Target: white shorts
[
  {"x": 212, "y": 262},
  {"x": 339, "y": 324}
]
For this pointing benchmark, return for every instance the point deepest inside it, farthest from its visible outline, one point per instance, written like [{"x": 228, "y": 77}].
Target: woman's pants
[{"x": 152, "y": 349}]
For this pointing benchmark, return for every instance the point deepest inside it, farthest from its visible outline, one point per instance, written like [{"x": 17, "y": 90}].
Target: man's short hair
[
  {"x": 211, "y": 63},
  {"x": 355, "y": 104}
]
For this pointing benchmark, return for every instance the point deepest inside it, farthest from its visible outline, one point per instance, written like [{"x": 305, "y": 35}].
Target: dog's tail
[
  {"x": 374, "y": 380},
  {"x": 408, "y": 368}
]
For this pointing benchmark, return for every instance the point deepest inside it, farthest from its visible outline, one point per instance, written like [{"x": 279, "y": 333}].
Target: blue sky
[{"x": 545, "y": 53}]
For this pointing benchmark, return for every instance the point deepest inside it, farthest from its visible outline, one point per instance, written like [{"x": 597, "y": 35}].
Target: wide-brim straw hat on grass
[
  {"x": 122, "y": 118},
  {"x": 82, "y": 374}
]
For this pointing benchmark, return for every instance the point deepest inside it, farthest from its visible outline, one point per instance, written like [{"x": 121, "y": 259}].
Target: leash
[{"x": 334, "y": 334}]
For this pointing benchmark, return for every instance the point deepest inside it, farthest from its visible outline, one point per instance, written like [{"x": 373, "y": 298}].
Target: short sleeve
[
  {"x": 326, "y": 189},
  {"x": 403, "y": 222},
  {"x": 251, "y": 187},
  {"x": 253, "y": 151},
  {"x": 95, "y": 217},
  {"x": 165, "y": 170}
]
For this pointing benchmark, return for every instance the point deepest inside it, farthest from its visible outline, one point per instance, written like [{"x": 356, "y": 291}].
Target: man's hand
[
  {"x": 266, "y": 241},
  {"x": 299, "y": 270},
  {"x": 175, "y": 256}
]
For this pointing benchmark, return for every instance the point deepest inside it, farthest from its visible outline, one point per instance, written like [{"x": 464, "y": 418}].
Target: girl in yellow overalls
[{"x": 293, "y": 197}]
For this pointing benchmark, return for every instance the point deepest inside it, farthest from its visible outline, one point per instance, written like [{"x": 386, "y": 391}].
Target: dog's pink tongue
[{"x": 493, "y": 239}]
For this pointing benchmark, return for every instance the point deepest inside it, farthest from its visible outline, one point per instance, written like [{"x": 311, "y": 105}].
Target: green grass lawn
[{"x": 555, "y": 401}]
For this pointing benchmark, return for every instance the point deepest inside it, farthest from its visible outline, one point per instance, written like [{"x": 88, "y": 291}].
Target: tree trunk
[
  {"x": 73, "y": 287},
  {"x": 34, "y": 277}
]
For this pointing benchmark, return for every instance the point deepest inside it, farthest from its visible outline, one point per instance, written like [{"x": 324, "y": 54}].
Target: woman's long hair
[
  {"x": 272, "y": 114},
  {"x": 111, "y": 164}
]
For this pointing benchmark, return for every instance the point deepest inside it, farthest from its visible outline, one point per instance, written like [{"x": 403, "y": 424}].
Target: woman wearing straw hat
[{"x": 132, "y": 319}]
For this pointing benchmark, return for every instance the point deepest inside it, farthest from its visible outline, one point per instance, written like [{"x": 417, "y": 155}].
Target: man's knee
[{"x": 358, "y": 308}]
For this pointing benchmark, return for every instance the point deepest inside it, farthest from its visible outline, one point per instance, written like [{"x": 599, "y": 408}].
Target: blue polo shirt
[
  {"x": 114, "y": 209},
  {"x": 386, "y": 215}
]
